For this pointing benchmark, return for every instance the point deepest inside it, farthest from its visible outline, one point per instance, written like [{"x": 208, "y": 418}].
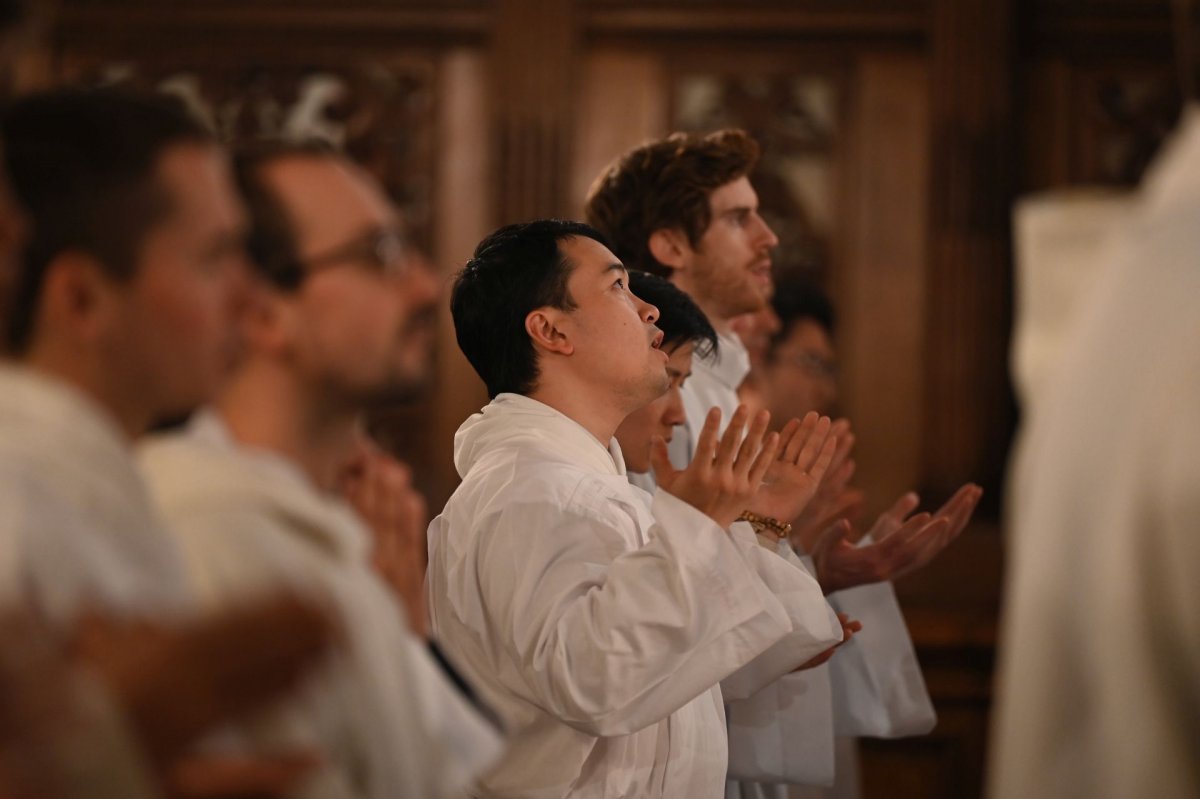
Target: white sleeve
[
  {"x": 465, "y": 744},
  {"x": 815, "y": 626},
  {"x": 610, "y": 640},
  {"x": 784, "y": 733},
  {"x": 380, "y": 703},
  {"x": 878, "y": 689}
]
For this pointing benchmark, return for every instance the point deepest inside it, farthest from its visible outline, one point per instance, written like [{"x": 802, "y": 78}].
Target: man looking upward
[{"x": 598, "y": 620}]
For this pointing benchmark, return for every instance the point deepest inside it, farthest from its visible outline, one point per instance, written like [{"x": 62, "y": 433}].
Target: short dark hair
[
  {"x": 679, "y": 318},
  {"x": 82, "y": 165},
  {"x": 796, "y": 300},
  {"x": 271, "y": 242},
  {"x": 515, "y": 270},
  {"x": 666, "y": 184}
]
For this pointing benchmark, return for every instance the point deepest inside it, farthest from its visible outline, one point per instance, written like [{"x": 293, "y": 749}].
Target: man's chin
[{"x": 400, "y": 391}]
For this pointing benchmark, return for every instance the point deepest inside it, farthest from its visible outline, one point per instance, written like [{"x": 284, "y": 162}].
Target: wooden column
[
  {"x": 968, "y": 411},
  {"x": 533, "y": 70}
]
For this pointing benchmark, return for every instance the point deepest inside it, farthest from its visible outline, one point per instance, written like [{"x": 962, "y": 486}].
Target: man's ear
[
  {"x": 77, "y": 296},
  {"x": 670, "y": 247},
  {"x": 544, "y": 326},
  {"x": 268, "y": 318}
]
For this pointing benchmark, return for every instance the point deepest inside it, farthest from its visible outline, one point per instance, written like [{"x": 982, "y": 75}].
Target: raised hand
[
  {"x": 380, "y": 488},
  {"x": 835, "y": 497},
  {"x": 806, "y": 452},
  {"x": 901, "y": 546},
  {"x": 724, "y": 474}
]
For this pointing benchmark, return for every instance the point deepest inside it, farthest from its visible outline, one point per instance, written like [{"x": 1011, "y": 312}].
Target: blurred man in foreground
[{"x": 341, "y": 321}]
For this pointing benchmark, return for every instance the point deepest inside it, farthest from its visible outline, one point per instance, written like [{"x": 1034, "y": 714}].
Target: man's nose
[
  {"x": 646, "y": 311},
  {"x": 674, "y": 415},
  {"x": 767, "y": 236},
  {"x": 420, "y": 285}
]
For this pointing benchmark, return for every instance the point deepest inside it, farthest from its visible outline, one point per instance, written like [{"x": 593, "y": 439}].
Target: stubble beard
[{"x": 729, "y": 295}]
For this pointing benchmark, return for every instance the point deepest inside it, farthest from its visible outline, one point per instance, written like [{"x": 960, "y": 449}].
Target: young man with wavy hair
[{"x": 683, "y": 207}]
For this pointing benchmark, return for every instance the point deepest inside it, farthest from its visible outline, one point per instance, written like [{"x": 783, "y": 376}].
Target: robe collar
[
  {"x": 35, "y": 402},
  {"x": 515, "y": 420},
  {"x": 1174, "y": 177}
]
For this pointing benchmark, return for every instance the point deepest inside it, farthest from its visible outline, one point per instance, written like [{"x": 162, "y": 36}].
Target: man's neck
[
  {"x": 96, "y": 383},
  {"x": 264, "y": 406},
  {"x": 720, "y": 323},
  {"x": 594, "y": 411}
]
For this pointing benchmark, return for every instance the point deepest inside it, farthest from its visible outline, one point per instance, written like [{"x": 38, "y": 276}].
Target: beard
[
  {"x": 400, "y": 390},
  {"x": 729, "y": 292},
  {"x": 406, "y": 385},
  {"x": 401, "y": 379}
]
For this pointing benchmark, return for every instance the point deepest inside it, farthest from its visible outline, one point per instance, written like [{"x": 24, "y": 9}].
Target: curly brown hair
[{"x": 665, "y": 185}]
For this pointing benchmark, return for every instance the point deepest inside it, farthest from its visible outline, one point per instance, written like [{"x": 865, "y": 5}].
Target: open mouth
[{"x": 657, "y": 341}]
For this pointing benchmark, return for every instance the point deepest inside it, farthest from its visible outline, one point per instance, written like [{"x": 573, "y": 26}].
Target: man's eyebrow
[
  {"x": 615, "y": 266},
  {"x": 737, "y": 209}
]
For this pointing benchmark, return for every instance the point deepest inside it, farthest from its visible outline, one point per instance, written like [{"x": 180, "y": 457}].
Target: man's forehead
[
  {"x": 328, "y": 198},
  {"x": 589, "y": 256},
  {"x": 737, "y": 193}
]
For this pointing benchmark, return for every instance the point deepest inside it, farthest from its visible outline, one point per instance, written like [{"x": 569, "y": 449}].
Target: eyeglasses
[
  {"x": 814, "y": 365},
  {"x": 380, "y": 250}
]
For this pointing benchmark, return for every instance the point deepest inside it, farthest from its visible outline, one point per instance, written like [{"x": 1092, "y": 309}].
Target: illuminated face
[
  {"x": 801, "y": 374},
  {"x": 658, "y": 418},
  {"x": 614, "y": 343},
  {"x": 365, "y": 314},
  {"x": 173, "y": 338},
  {"x": 728, "y": 272}
]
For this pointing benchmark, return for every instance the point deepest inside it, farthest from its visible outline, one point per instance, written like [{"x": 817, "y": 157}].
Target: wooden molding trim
[
  {"x": 909, "y": 24},
  {"x": 454, "y": 22}
]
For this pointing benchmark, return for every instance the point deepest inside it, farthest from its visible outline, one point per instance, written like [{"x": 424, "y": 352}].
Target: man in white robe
[
  {"x": 684, "y": 208},
  {"x": 1101, "y": 634},
  {"x": 342, "y": 321},
  {"x": 122, "y": 315},
  {"x": 597, "y": 620},
  {"x": 124, "y": 296}
]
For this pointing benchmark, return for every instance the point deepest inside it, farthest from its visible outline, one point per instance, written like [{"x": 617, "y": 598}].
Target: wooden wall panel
[
  {"x": 881, "y": 279},
  {"x": 969, "y": 415},
  {"x": 623, "y": 101},
  {"x": 532, "y": 80},
  {"x": 464, "y": 214}
]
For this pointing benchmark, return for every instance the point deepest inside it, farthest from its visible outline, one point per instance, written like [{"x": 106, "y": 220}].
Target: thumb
[{"x": 660, "y": 462}]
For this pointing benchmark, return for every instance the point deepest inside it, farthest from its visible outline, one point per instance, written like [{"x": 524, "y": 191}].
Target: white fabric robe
[
  {"x": 77, "y": 528},
  {"x": 249, "y": 521},
  {"x": 790, "y": 732},
  {"x": 598, "y": 621},
  {"x": 77, "y": 533},
  {"x": 1100, "y": 660}
]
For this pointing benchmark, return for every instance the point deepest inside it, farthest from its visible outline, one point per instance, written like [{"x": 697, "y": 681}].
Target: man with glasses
[{"x": 341, "y": 321}]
